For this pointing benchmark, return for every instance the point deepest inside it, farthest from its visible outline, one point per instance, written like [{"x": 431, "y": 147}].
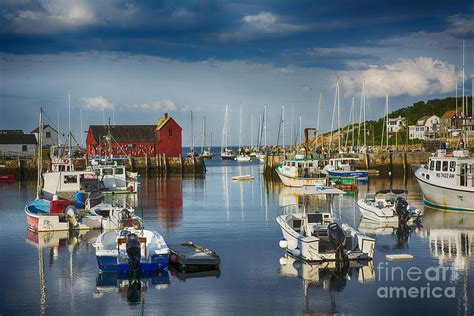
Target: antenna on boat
[
  {"x": 39, "y": 183},
  {"x": 69, "y": 119}
]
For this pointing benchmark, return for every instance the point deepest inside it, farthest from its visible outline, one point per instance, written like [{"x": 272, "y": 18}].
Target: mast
[
  {"x": 39, "y": 183},
  {"x": 240, "y": 128},
  {"x": 203, "y": 135},
  {"x": 360, "y": 116},
  {"x": 333, "y": 114},
  {"x": 259, "y": 135},
  {"x": 283, "y": 126},
  {"x": 69, "y": 118},
  {"x": 192, "y": 134},
  {"x": 265, "y": 126},
  {"x": 81, "y": 130},
  {"x": 224, "y": 129},
  {"x": 338, "y": 116},
  {"x": 318, "y": 119},
  {"x": 59, "y": 130},
  {"x": 386, "y": 109},
  {"x": 298, "y": 141},
  {"x": 353, "y": 120},
  {"x": 456, "y": 114},
  {"x": 292, "y": 124},
  {"x": 251, "y": 130},
  {"x": 365, "y": 131},
  {"x": 351, "y": 116}
]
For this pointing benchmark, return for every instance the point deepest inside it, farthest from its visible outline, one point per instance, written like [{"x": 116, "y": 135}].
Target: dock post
[
  {"x": 157, "y": 163},
  {"x": 131, "y": 162},
  {"x": 146, "y": 164},
  {"x": 405, "y": 163},
  {"x": 367, "y": 161},
  {"x": 181, "y": 164},
  {"x": 165, "y": 161}
]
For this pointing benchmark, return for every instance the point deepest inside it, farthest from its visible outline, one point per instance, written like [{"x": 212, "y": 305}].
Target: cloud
[
  {"x": 163, "y": 105},
  {"x": 97, "y": 103},
  {"x": 413, "y": 77},
  {"x": 263, "y": 23},
  {"x": 49, "y": 16}
]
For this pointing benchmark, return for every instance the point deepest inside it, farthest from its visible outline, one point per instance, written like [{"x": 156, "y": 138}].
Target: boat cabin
[
  {"x": 68, "y": 182},
  {"x": 343, "y": 164},
  {"x": 304, "y": 168},
  {"x": 456, "y": 169}
]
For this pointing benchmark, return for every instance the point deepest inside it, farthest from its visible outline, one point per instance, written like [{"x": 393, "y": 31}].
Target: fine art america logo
[{"x": 431, "y": 282}]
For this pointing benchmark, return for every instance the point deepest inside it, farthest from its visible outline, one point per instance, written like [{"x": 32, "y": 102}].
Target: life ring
[{"x": 66, "y": 161}]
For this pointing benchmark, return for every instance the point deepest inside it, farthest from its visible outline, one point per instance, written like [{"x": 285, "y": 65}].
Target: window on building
[
  {"x": 452, "y": 166},
  {"x": 170, "y": 132},
  {"x": 107, "y": 171},
  {"x": 119, "y": 171},
  {"x": 431, "y": 165},
  {"x": 70, "y": 179},
  {"x": 445, "y": 166},
  {"x": 48, "y": 134},
  {"x": 438, "y": 165},
  {"x": 24, "y": 148}
]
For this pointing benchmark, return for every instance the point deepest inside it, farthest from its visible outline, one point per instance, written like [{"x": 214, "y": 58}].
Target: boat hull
[
  {"x": 298, "y": 182},
  {"x": 361, "y": 175},
  {"x": 446, "y": 198},
  {"x": 111, "y": 264},
  {"x": 375, "y": 214}
]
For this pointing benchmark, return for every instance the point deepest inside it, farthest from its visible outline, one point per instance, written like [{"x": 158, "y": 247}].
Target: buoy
[
  {"x": 173, "y": 259},
  {"x": 283, "y": 261},
  {"x": 292, "y": 244},
  {"x": 130, "y": 188},
  {"x": 297, "y": 265},
  {"x": 296, "y": 252},
  {"x": 283, "y": 244},
  {"x": 65, "y": 161}
]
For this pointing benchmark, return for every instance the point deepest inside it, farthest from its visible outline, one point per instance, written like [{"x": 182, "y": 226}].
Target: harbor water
[{"x": 56, "y": 273}]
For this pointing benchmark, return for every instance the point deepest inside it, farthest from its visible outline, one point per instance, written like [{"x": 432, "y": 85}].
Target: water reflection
[
  {"x": 165, "y": 195},
  {"x": 328, "y": 276}
]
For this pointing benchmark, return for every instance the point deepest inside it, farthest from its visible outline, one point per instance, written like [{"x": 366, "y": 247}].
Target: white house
[
  {"x": 425, "y": 126},
  {"x": 395, "y": 124},
  {"x": 16, "y": 143},
  {"x": 50, "y": 136}
]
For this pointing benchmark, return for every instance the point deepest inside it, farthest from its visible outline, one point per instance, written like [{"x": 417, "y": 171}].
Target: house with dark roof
[
  {"x": 162, "y": 138},
  {"x": 50, "y": 136},
  {"x": 15, "y": 143},
  {"x": 448, "y": 119}
]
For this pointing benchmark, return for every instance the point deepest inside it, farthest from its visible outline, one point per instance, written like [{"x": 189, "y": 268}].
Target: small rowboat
[{"x": 246, "y": 177}]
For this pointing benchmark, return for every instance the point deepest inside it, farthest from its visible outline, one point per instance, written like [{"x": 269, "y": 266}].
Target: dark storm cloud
[{"x": 280, "y": 32}]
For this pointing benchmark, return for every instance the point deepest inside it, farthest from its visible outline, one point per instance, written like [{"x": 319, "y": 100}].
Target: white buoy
[
  {"x": 283, "y": 244},
  {"x": 296, "y": 252},
  {"x": 283, "y": 261}
]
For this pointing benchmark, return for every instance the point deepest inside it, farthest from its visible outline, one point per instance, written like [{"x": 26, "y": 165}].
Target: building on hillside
[
  {"x": 163, "y": 138},
  {"x": 50, "y": 136},
  {"x": 448, "y": 119},
  {"x": 426, "y": 127},
  {"x": 14, "y": 143},
  {"x": 395, "y": 124}
]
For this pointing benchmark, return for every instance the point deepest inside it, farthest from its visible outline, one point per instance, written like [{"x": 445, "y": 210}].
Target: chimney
[{"x": 166, "y": 115}]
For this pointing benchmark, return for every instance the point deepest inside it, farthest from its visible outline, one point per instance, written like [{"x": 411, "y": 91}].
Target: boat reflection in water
[
  {"x": 329, "y": 276},
  {"x": 401, "y": 232},
  {"x": 131, "y": 288},
  {"x": 451, "y": 241},
  {"x": 57, "y": 242}
]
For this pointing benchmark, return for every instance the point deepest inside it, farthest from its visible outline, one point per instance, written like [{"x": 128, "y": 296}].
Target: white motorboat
[
  {"x": 311, "y": 235},
  {"x": 243, "y": 158},
  {"x": 345, "y": 167},
  {"x": 111, "y": 217},
  {"x": 388, "y": 206},
  {"x": 132, "y": 249},
  {"x": 295, "y": 172},
  {"x": 447, "y": 182}
]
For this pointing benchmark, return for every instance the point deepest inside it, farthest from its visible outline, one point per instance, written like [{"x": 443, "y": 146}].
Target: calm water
[{"x": 57, "y": 274}]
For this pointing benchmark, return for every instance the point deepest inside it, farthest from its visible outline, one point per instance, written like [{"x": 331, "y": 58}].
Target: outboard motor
[
  {"x": 402, "y": 209},
  {"x": 133, "y": 251},
  {"x": 337, "y": 238},
  {"x": 70, "y": 212}
]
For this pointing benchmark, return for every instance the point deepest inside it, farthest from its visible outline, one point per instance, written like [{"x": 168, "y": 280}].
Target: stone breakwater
[{"x": 397, "y": 163}]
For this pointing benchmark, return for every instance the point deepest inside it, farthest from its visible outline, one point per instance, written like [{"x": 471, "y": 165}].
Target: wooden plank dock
[{"x": 190, "y": 257}]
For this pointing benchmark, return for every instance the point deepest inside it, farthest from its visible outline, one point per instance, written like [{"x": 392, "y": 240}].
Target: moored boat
[
  {"x": 345, "y": 167},
  {"x": 312, "y": 235},
  {"x": 131, "y": 250},
  {"x": 301, "y": 172},
  {"x": 388, "y": 206},
  {"x": 447, "y": 182}
]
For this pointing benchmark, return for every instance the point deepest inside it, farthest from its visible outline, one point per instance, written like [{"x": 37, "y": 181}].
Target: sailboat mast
[
  {"x": 319, "y": 118},
  {"x": 283, "y": 126},
  {"x": 203, "y": 135},
  {"x": 69, "y": 118},
  {"x": 298, "y": 141},
  {"x": 265, "y": 125},
  {"x": 292, "y": 126},
  {"x": 386, "y": 111},
  {"x": 338, "y": 116},
  {"x": 224, "y": 130},
  {"x": 240, "y": 128},
  {"x": 251, "y": 130},
  {"x": 365, "y": 131},
  {"x": 192, "y": 133},
  {"x": 353, "y": 120}
]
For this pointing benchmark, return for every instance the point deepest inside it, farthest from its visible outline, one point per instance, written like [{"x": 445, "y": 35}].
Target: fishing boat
[
  {"x": 112, "y": 217},
  {"x": 132, "y": 249},
  {"x": 447, "y": 181},
  {"x": 312, "y": 235},
  {"x": 388, "y": 206},
  {"x": 294, "y": 172},
  {"x": 113, "y": 176},
  {"x": 345, "y": 167}
]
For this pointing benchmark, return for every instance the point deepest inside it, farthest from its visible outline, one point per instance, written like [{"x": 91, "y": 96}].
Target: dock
[{"x": 190, "y": 257}]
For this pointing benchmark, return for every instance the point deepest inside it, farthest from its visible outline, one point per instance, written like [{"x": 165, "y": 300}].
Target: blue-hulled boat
[
  {"x": 345, "y": 168},
  {"x": 131, "y": 249}
]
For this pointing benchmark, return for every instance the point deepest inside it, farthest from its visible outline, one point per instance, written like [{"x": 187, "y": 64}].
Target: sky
[{"x": 131, "y": 61}]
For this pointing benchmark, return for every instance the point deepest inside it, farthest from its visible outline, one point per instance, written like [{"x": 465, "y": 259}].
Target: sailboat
[
  {"x": 192, "y": 153},
  {"x": 205, "y": 153},
  {"x": 226, "y": 153},
  {"x": 242, "y": 156}
]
